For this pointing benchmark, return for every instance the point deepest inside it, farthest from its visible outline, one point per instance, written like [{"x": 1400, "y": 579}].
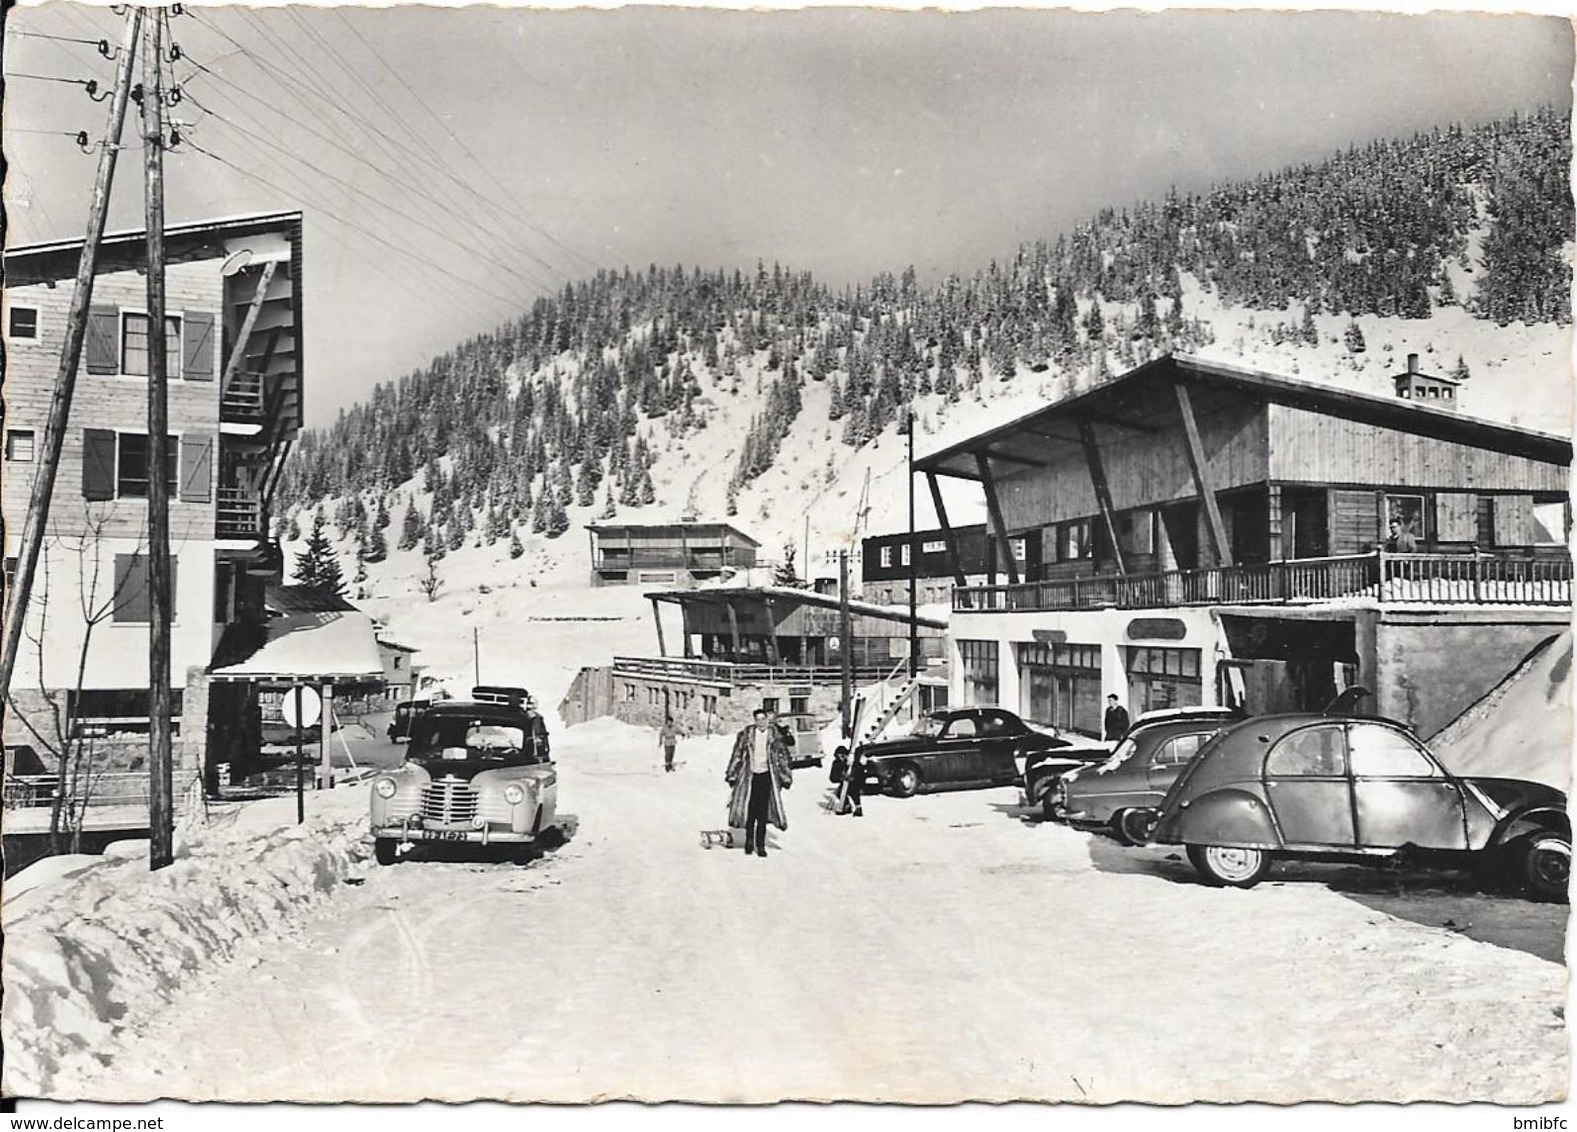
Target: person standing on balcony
[
  {"x": 758, "y": 769},
  {"x": 1115, "y": 724},
  {"x": 1402, "y": 540}
]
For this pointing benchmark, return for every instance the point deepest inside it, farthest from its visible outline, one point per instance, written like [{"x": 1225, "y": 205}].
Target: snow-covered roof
[{"x": 320, "y": 646}]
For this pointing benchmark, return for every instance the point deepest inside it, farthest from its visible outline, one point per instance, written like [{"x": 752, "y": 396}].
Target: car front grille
[{"x": 448, "y": 801}]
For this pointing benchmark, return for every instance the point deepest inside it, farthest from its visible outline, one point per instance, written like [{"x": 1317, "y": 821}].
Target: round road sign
[{"x": 311, "y": 707}]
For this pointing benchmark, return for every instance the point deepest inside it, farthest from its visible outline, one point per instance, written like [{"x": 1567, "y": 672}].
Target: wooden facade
[
  {"x": 667, "y": 553},
  {"x": 1185, "y": 465}
]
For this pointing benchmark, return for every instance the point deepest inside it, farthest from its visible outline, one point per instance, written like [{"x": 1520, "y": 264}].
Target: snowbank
[
  {"x": 1523, "y": 727},
  {"x": 94, "y": 944}
]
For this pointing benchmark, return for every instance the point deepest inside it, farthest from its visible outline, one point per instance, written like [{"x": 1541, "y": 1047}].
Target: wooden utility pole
[
  {"x": 846, "y": 649},
  {"x": 914, "y": 566},
  {"x": 161, "y": 799},
  {"x": 70, "y": 355}
]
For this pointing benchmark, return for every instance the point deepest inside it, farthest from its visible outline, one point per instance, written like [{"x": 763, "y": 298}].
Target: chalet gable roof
[{"x": 1140, "y": 401}]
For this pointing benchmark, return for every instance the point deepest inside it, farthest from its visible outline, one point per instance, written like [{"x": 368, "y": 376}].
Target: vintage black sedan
[
  {"x": 957, "y": 749},
  {"x": 1315, "y": 787}
]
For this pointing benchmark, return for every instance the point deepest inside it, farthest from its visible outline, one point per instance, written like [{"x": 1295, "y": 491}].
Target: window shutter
[
  {"x": 197, "y": 355},
  {"x": 131, "y": 587},
  {"x": 98, "y": 464},
  {"x": 196, "y": 468},
  {"x": 1514, "y": 520},
  {"x": 103, "y": 340},
  {"x": 1456, "y": 516}
]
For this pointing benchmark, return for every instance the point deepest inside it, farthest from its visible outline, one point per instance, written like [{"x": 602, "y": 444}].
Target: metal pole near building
[
  {"x": 70, "y": 356},
  {"x": 301, "y": 801},
  {"x": 846, "y": 649},
  {"x": 161, "y": 788}
]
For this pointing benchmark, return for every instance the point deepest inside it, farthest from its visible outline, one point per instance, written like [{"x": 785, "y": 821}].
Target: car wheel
[
  {"x": 1132, "y": 827},
  {"x": 906, "y": 782},
  {"x": 1235, "y": 868},
  {"x": 385, "y": 849},
  {"x": 1545, "y": 866},
  {"x": 1049, "y": 810}
]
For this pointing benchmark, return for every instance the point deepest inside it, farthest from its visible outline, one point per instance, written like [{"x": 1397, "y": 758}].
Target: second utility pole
[{"x": 161, "y": 801}]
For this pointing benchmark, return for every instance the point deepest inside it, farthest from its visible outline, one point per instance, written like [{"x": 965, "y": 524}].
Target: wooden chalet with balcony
[
  {"x": 741, "y": 647},
  {"x": 679, "y": 553},
  {"x": 1197, "y": 533}
]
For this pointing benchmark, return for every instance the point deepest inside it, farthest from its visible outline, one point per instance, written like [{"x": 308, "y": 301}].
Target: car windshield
[
  {"x": 927, "y": 727},
  {"x": 468, "y": 737},
  {"x": 1122, "y": 754}
]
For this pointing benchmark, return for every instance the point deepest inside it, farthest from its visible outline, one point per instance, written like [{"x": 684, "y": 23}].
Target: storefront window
[
  {"x": 1163, "y": 678},
  {"x": 979, "y": 662},
  {"x": 1060, "y": 686}
]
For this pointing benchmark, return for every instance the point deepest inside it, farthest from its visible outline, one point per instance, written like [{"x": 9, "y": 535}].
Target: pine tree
[
  {"x": 515, "y": 549},
  {"x": 412, "y": 529},
  {"x": 1460, "y": 372},
  {"x": 317, "y": 566},
  {"x": 609, "y": 508},
  {"x": 1354, "y": 338},
  {"x": 377, "y": 548},
  {"x": 1307, "y": 331}
]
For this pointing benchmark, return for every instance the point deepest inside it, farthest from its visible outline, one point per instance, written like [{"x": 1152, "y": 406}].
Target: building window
[
  {"x": 398, "y": 661},
  {"x": 906, "y": 555},
  {"x": 102, "y": 711},
  {"x": 1016, "y": 546},
  {"x": 887, "y": 556},
  {"x": 769, "y": 704},
  {"x": 1060, "y": 685},
  {"x": 22, "y": 324},
  {"x": 935, "y": 546},
  {"x": 134, "y": 345},
  {"x": 799, "y": 705},
  {"x": 19, "y": 445},
  {"x": 131, "y": 465},
  {"x": 1404, "y": 522},
  {"x": 709, "y": 704},
  {"x": 978, "y": 659},
  {"x": 1073, "y": 541},
  {"x": 1163, "y": 678},
  {"x": 131, "y": 588}
]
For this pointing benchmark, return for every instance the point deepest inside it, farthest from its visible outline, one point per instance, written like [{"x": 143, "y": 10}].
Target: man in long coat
[{"x": 758, "y": 770}]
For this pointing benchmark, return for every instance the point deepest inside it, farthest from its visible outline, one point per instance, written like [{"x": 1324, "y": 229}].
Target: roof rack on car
[{"x": 502, "y": 694}]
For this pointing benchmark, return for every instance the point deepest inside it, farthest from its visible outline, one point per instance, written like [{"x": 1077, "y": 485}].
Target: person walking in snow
[
  {"x": 853, "y": 778},
  {"x": 758, "y": 770},
  {"x": 668, "y": 739}
]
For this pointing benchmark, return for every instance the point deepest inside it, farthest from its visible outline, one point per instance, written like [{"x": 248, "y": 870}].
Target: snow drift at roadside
[{"x": 93, "y": 948}]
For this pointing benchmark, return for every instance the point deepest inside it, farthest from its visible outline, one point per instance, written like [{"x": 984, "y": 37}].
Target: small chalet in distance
[
  {"x": 679, "y": 553},
  {"x": 1432, "y": 389}
]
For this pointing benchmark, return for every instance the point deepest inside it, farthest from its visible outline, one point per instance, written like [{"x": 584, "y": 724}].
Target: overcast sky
[{"x": 454, "y": 164}]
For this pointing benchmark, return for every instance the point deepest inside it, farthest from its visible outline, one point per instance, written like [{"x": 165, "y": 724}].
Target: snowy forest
[{"x": 506, "y": 431}]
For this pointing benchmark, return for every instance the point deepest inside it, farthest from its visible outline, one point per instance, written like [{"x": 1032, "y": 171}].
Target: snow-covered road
[{"x": 938, "y": 949}]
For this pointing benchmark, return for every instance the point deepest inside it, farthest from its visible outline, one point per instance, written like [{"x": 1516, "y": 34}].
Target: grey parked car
[{"x": 1124, "y": 793}]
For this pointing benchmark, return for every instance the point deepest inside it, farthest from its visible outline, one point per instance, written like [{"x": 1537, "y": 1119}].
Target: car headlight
[
  {"x": 385, "y": 787},
  {"x": 514, "y": 793}
]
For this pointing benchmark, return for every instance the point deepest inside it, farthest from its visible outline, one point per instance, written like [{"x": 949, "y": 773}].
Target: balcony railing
[
  {"x": 661, "y": 560},
  {"x": 238, "y": 514},
  {"x": 724, "y": 672},
  {"x": 1452, "y": 579}
]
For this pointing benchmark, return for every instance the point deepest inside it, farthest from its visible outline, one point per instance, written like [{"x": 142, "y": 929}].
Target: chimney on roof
[{"x": 1412, "y": 363}]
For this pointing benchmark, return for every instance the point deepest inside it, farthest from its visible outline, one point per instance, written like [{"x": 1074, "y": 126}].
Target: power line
[
  {"x": 509, "y": 304},
  {"x": 351, "y": 188},
  {"x": 400, "y": 148},
  {"x": 420, "y": 101}
]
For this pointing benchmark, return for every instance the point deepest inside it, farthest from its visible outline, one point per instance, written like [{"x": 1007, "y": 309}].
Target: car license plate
[{"x": 439, "y": 834}]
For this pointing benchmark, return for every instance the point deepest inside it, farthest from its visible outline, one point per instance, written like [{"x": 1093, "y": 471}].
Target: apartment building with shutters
[{"x": 233, "y": 331}]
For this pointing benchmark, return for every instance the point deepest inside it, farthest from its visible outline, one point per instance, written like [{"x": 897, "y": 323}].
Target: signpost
[{"x": 301, "y": 710}]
